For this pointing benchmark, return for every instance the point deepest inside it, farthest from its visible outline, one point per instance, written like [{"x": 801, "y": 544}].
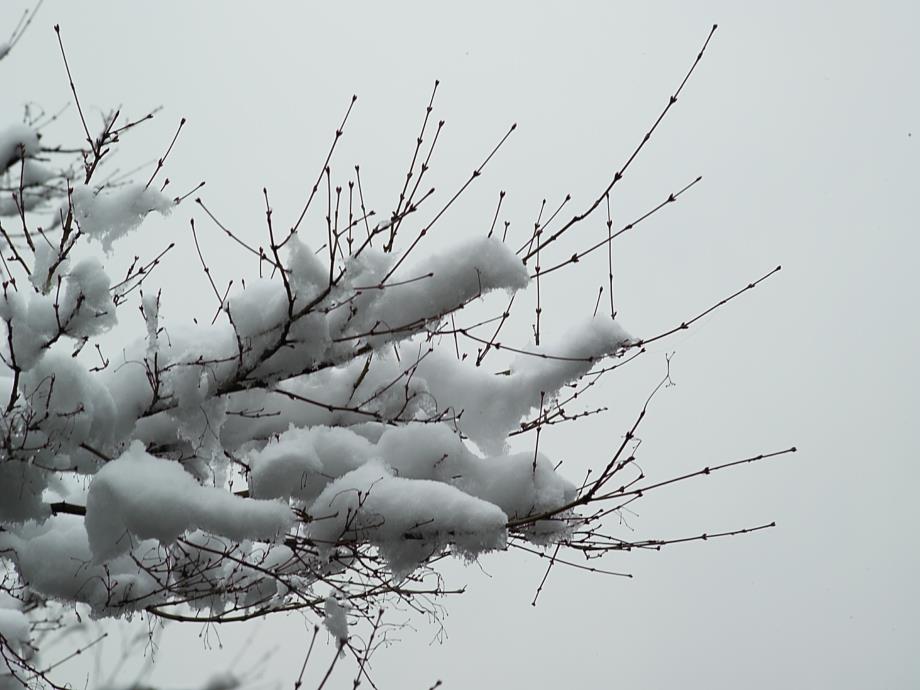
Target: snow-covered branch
[{"x": 321, "y": 443}]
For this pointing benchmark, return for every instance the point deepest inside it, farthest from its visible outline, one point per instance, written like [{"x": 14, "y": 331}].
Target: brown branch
[
  {"x": 619, "y": 174},
  {"x": 686, "y": 324},
  {"x": 319, "y": 178}
]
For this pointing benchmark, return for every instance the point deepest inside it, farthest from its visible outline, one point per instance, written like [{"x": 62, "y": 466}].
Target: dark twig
[{"x": 619, "y": 174}]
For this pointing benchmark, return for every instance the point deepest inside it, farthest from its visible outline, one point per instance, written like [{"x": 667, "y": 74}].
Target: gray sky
[{"x": 804, "y": 120}]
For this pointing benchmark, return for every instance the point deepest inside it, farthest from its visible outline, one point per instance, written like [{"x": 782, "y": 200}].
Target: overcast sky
[{"x": 804, "y": 120}]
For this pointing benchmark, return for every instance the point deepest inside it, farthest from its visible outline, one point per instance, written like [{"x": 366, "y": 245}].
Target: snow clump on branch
[{"x": 107, "y": 215}]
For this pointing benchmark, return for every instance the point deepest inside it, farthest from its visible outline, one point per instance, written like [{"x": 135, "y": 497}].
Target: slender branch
[
  {"x": 619, "y": 174},
  {"x": 319, "y": 178},
  {"x": 684, "y": 325},
  {"x": 476, "y": 173}
]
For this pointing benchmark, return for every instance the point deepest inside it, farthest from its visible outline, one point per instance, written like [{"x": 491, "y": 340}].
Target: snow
[
  {"x": 335, "y": 619},
  {"x": 494, "y": 405},
  {"x": 32, "y": 321},
  {"x": 45, "y": 257},
  {"x": 108, "y": 214},
  {"x": 77, "y": 409},
  {"x": 307, "y": 273},
  {"x": 260, "y": 308},
  {"x": 407, "y": 519},
  {"x": 199, "y": 414},
  {"x": 86, "y": 307},
  {"x": 520, "y": 484},
  {"x": 470, "y": 269},
  {"x": 55, "y": 560},
  {"x": 14, "y": 628},
  {"x": 302, "y": 462},
  {"x": 223, "y": 680},
  {"x": 81, "y": 309},
  {"x": 15, "y": 139},
  {"x": 21, "y": 488},
  {"x": 31, "y": 199},
  {"x": 34, "y": 174},
  {"x": 152, "y": 498},
  {"x": 211, "y": 572},
  {"x": 150, "y": 307}
]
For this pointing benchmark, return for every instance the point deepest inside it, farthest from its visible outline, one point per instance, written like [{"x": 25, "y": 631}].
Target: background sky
[{"x": 804, "y": 120}]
